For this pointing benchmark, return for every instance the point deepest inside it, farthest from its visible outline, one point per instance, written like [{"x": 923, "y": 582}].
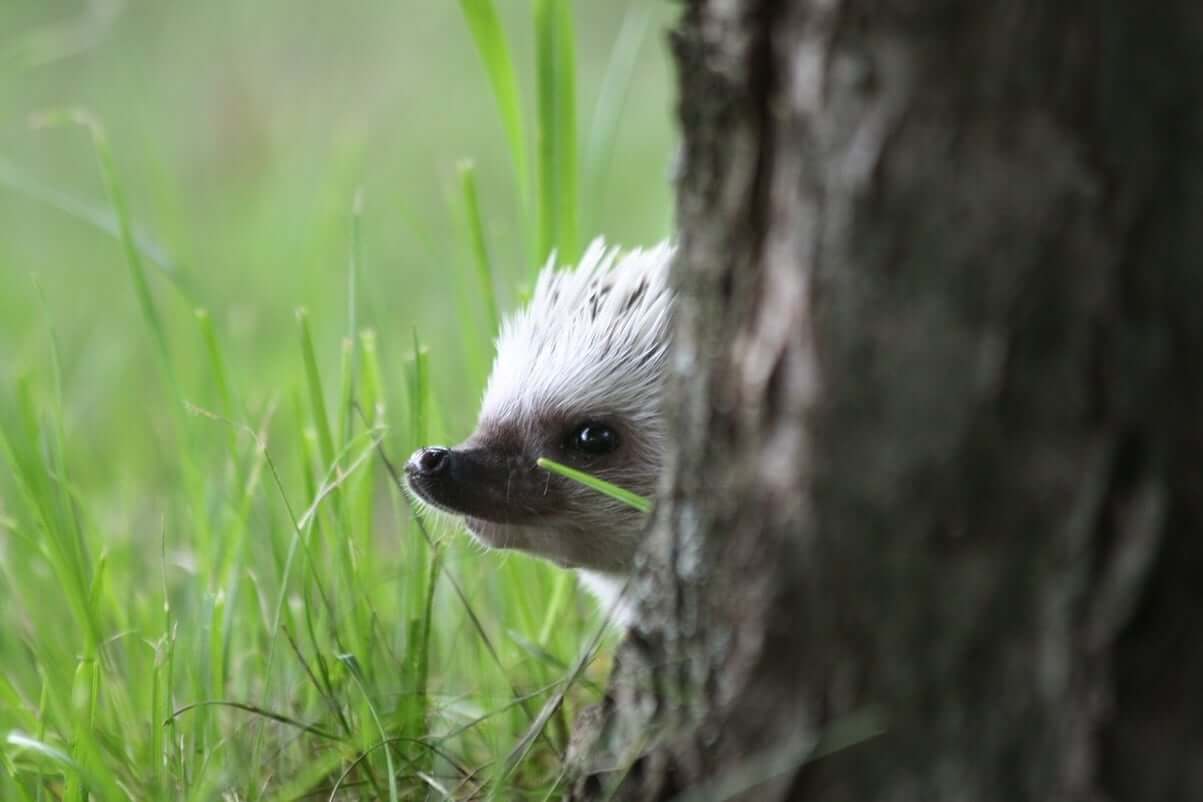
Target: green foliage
[
  {"x": 211, "y": 582},
  {"x": 633, "y": 500},
  {"x": 555, "y": 77}
]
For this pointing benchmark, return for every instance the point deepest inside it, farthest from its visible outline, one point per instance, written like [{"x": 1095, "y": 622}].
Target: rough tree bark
[{"x": 931, "y": 526}]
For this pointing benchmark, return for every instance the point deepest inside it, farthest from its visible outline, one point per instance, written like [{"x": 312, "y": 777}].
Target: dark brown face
[
  {"x": 484, "y": 483},
  {"x": 507, "y": 501}
]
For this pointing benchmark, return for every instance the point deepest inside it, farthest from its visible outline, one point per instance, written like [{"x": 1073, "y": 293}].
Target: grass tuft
[{"x": 212, "y": 583}]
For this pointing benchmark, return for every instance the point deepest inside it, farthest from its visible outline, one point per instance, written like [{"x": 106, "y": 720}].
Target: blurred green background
[{"x": 241, "y": 134}]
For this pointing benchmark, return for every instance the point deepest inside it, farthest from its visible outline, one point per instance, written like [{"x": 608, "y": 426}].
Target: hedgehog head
[{"x": 577, "y": 378}]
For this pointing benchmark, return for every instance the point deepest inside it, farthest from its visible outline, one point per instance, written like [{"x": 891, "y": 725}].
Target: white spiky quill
[{"x": 593, "y": 337}]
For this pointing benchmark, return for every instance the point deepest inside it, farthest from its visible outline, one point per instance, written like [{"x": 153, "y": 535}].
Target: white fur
[{"x": 610, "y": 592}]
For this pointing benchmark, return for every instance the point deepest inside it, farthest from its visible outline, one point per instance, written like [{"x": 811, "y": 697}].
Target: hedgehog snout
[{"x": 480, "y": 482}]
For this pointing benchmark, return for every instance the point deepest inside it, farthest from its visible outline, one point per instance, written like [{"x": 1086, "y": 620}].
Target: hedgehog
[{"x": 577, "y": 378}]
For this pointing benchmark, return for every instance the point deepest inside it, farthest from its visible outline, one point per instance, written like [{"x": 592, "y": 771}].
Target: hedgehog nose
[{"x": 429, "y": 461}]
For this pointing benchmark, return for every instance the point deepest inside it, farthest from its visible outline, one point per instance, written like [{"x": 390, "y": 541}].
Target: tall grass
[{"x": 211, "y": 585}]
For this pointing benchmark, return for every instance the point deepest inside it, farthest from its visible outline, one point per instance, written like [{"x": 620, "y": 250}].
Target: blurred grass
[{"x": 209, "y": 582}]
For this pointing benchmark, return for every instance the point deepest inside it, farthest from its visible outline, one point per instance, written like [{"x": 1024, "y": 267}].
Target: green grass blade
[
  {"x": 490, "y": 40},
  {"x": 354, "y": 266},
  {"x": 256, "y": 710},
  {"x": 160, "y": 690},
  {"x": 480, "y": 250},
  {"x": 615, "y": 492},
  {"x": 567, "y": 150},
  {"x": 561, "y": 593},
  {"x": 346, "y": 391},
  {"x": 313, "y": 378},
  {"x": 371, "y": 394},
  {"x": 418, "y": 395},
  {"x": 217, "y": 367},
  {"x": 555, "y": 80}
]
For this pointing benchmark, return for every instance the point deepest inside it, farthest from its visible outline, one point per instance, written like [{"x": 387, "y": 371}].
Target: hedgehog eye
[{"x": 593, "y": 438}]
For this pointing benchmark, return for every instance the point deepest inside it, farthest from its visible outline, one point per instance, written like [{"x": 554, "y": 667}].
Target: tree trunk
[{"x": 931, "y": 527}]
